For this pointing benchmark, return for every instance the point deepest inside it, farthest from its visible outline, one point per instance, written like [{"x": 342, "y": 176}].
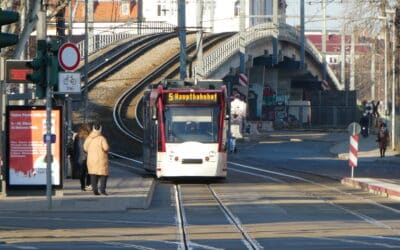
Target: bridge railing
[
  {"x": 99, "y": 41},
  {"x": 283, "y": 32},
  {"x": 222, "y": 53}
]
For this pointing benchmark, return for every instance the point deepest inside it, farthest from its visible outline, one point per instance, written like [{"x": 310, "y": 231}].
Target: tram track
[
  {"x": 316, "y": 182},
  {"x": 130, "y": 99},
  {"x": 312, "y": 188},
  {"x": 112, "y": 61},
  {"x": 331, "y": 197},
  {"x": 184, "y": 227},
  {"x": 109, "y": 64}
]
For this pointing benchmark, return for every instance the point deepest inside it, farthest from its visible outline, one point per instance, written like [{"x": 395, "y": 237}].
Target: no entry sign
[{"x": 69, "y": 56}]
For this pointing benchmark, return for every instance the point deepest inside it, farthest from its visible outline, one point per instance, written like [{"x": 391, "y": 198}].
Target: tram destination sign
[{"x": 191, "y": 98}]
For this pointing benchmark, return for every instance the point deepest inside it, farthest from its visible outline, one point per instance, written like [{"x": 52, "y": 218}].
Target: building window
[{"x": 125, "y": 9}]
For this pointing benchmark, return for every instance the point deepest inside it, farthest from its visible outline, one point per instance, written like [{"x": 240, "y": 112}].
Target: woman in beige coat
[{"x": 97, "y": 148}]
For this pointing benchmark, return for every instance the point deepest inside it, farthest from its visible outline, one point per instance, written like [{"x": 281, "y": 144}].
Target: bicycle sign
[{"x": 69, "y": 83}]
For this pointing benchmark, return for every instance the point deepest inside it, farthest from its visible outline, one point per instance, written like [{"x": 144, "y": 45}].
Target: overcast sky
[{"x": 314, "y": 14}]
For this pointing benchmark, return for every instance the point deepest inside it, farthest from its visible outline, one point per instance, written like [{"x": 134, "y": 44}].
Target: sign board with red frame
[
  {"x": 26, "y": 149},
  {"x": 69, "y": 56}
]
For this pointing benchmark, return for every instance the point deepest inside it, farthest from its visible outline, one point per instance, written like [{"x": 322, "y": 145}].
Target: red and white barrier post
[{"x": 353, "y": 153}]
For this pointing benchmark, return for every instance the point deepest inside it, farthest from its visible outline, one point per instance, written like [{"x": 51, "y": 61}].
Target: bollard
[{"x": 353, "y": 153}]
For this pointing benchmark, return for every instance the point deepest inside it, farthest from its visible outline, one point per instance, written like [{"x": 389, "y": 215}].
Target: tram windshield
[{"x": 194, "y": 123}]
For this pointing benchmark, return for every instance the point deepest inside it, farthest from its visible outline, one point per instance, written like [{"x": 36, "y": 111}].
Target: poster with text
[{"x": 26, "y": 133}]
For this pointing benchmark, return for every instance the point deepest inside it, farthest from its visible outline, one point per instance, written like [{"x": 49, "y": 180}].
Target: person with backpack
[{"x": 80, "y": 157}]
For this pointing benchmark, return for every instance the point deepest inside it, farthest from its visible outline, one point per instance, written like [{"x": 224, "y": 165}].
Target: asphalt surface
[{"x": 127, "y": 191}]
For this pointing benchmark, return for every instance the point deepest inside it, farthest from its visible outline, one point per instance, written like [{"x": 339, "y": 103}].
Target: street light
[
  {"x": 393, "y": 107},
  {"x": 385, "y": 102},
  {"x": 393, "y": 113}
]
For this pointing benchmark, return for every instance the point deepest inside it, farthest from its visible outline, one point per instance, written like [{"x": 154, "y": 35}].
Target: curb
[
  {"x": 374, "y": 186},
  {"x": 125, "y": 194}
]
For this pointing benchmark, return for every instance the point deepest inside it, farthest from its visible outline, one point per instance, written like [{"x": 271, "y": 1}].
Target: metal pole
[
  {"x": 85, "y": 68},
  {"x": 385, "y": 104},
  {"x": 352, "y": 62},
  {"x": 182, "y": 37},
  {"x": 2, "y": 135},
  {"x": 324, "y": 41},
  {"x": 393, "y": 137},
  {"x": 41, "y": 35},
  {"x": 49, "y": 156},
  {"x": 242, "y": 42},
  {"x": 70, "y": 26},
  {"x": 199, "y": 38},
  {"x": 373, "y": 77},
  {"x": 302, "y": 36}
]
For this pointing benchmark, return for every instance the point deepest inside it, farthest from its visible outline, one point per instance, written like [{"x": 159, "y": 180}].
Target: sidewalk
[
  {"x": 124, "y": 193},
  {"x": 368, "y": 151}
]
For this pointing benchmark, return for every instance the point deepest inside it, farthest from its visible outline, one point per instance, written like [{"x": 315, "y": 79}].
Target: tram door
[{"x": 150, "y": 137}]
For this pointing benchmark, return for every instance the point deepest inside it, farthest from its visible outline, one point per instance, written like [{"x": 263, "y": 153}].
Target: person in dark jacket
[
  {"x": 383, "y": 139},
  {"x": 80, "y": 157}
]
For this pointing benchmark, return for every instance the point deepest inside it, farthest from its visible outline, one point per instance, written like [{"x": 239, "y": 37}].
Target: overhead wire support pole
[
  {"x": 302, "y": 36},
  {"x": 393, "y": 132},
  {"x": 182, "y": 38},
  {"x": 324, "y": 41},
  {"x": 41, "y": 37},
  {"x": 85, "y": 68},
  {"x": 385, "y": 104},
  {"x": 242, "y": 42},
  {"x": 199, "y": 38}
]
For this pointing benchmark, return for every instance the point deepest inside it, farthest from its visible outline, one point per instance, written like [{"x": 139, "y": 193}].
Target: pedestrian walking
[
  {"x": 80, "y": 156},
  {"x": 97, "y": 148},
  {"x": 383, "y": 138}
]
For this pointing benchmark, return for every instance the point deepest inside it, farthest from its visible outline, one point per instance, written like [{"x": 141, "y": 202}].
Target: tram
[{"x": 185, "y": 129}]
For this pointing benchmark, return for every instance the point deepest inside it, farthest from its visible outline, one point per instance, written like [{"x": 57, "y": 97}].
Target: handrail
[{"x": 99, "y": 41}]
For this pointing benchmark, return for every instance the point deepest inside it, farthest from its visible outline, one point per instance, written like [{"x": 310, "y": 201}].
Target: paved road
[{"x": 275, "y": 205}]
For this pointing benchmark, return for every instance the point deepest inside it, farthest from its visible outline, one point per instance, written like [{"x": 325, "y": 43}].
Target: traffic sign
[
  {"x": 69, "y": 56},
  {"x": 69, "y": 83},
  {"x": 354, "y": 128}
]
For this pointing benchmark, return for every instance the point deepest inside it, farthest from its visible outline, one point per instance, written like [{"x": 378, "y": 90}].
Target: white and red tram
[{"x": 185, "y": 129}]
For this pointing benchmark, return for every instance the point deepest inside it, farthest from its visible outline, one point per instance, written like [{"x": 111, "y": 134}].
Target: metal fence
[
  {"x": 324, "y": 117},
  {"x": 99, "y": 41}
]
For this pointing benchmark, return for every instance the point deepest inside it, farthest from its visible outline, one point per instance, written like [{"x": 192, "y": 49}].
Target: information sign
[
  {"x": 69, "y": 83},
  {"x": 26, "y": 152}
]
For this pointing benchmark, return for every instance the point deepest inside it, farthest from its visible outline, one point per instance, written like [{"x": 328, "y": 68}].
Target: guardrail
[
  {"x": 117, "y": 33},
  {"x": 282, "y": 31}
]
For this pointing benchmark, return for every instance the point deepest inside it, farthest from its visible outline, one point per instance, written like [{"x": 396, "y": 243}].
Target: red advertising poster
[{"x": 27, "y": 147}]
